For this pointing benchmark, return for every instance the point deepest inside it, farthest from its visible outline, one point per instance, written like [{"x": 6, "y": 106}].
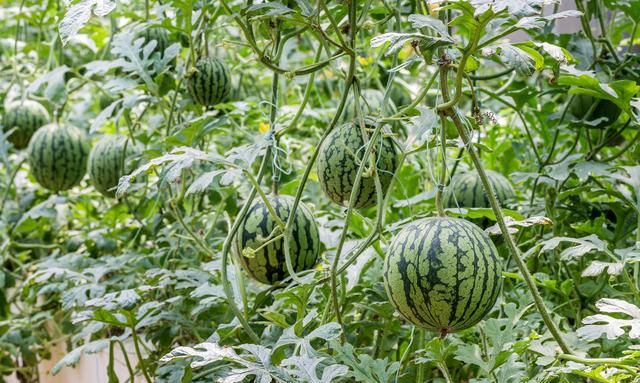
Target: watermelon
[
  {"x": 22, "y": 119},
  {"x": 371, "y": 101},
  {"x": 58, "y": 156},
  {"x": 210, "y": 82},
  {"x": 339, "y": 159},
  {"x": 466, "y": 190},
  {"x": 109, "y": 160},
  {"x": 400, "y": 95},
  {"x": 159, "y": 35},
  {"x": 268, "y": 264},
  {"x": 605, "y": 109},
  {"x": 442, "y": 274}
]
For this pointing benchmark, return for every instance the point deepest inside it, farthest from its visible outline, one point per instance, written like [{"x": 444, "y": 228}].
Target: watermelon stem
[
  {"x": 443, "y": 174},
  {"x": 448, "y": 109},
  {"x": 226, "y": 247},
  {"x": 356, "y": 183}
]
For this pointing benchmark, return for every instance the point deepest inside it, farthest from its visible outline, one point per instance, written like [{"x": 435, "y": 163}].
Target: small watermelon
[
  {"x": 339, "y": 159},
  {"x": 210, "y": 82},
  {"x": 443, "y": 274},
  {"x": 109, "y": 160},
  {"x": 267, "y": 263},
  {"x": 22, "y": 119},
  {"x": 157, "y": 34},
  {"x": 58, "y": 156},
  {"x": 466, "y": 190}
]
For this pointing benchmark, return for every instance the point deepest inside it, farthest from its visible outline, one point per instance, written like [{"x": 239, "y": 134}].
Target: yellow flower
[
  {"x": 365, "y": 61},
  {"x": 434, "y": 7},
  {"x": 263, "y": 127},
  {"x": 405, "y": 52}
]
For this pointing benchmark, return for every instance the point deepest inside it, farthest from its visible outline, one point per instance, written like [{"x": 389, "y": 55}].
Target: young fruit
[
  {"x": 605, "y": 110},
  {"x": 108, "y": 161},
  {"x": 339, "y": 159},
  {"x": 466, "y": 190},
  {"x": 261, "y": 255},
  {"x": 442, "y": 274},
  {"x": 22, "y": 119},
  {"x": 210, "y": 82},
  {"x": 58, "y": 156},
  {"x": 159, "y": 35}
]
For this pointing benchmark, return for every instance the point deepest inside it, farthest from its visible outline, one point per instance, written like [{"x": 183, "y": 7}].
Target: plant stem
[
  {"x": 452, "y": 113},
  {"x": 352, "y": 201},
  {"x": 136, "y": 344},
  {"x": 445, "y": 372},
  {"x": 289, "y": 226},
  {"x": 127, "y": 361},
  {"x": 226, "y": 248},
  {"x": 12, "y": 177},
  {"x": 468, "y": 51},
  {"x": 610, "y": 361},
  {"x": 443, "y": 174}
]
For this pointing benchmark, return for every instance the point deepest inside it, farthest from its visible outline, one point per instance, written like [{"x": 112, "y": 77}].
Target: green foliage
[{"x": 232, "y": 104}]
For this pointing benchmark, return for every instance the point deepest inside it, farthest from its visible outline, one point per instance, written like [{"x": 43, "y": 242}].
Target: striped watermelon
[
  {"x": 22, "y": 119},
  {"x": 338, "y": 162},
  {"x": 442, "y": 274},
  {"x": 109, "y": 160},
  {"x": 267, "y": 264},
  {"x": 58, "y": 156},
  {"x": 400, "y": 95},
  {"x": 159, "y": 35},
  {"x": 466, "y": 190},
  {"x": 210, "y": 83}
]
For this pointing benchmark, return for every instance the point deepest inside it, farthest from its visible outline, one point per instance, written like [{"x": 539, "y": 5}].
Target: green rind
[
  {"x": 268, "y": 265},
  {"x": 443, "y": 274},
  {"x": 466, "y": 190},
  {"x": 58, "y": 156},
  {"x": 22, "y": 119},
  {"x": 108, "y": 162},
  {"x": 161, "y": 37},
  {"x": 338, "y": 162},
  {"x": 210, "y": 83}
]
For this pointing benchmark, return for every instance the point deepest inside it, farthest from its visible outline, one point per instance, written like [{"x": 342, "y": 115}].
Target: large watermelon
[
  {"x": 58, "y": 156},
  {"x": 210, "y": 82},
  {"x": 466, "y": 190},
  {"x": 268, "y": 264},
  {"x": 442, "y": 274},
  {"x": 339, "y": 159},
  {"x": 23, "y": 118},
  {"x": 605, "y": 109},
  {"x": 109, "y": 160}
]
